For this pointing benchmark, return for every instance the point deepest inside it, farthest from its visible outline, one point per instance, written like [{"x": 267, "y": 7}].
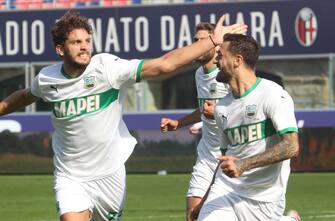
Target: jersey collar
[{"x": 258, "y": 80}]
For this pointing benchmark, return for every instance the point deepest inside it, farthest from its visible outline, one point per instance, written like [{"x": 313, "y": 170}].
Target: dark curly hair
[
  {"x": 68, "y": 22},
  {"x": 244, "y": 45}
]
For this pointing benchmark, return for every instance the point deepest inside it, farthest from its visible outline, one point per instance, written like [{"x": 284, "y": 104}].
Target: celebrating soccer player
[{"x": 91, "y": 141}]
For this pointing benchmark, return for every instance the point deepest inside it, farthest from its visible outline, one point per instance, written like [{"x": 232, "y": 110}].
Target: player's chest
[
  {"x": 243, "y": 121},
  {"x": 90, "y": 84}
]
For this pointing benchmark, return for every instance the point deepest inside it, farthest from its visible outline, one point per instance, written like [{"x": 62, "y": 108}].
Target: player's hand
[
  {"x": 208, "y": 109},
  {"x": 168, "y": 124},
  {"x": 231, "y": 166},
  {"x": 195, "y": 128},
  {"x": 221, "y": 30}
]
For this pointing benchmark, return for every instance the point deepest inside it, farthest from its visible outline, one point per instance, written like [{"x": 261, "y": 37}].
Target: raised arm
[
  {"x": 16, "y": 100},
  {"x": 287, "y": 148},
  {"x": 177, "y": 58}
]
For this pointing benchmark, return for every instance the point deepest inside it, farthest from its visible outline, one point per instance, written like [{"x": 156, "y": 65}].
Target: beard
[
  {"x": 75, "y": 64},
  {"x": 223, "y": 77}
]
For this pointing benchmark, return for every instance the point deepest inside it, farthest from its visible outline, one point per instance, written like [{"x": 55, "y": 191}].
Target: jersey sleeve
[
  {"x": 120, "y": 71},
  {"x": 280, "y": 110},
  {"x": 35, "y": 89}
]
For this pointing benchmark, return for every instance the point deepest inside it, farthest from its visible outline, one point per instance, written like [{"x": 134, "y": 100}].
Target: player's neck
[
  {"x": 71, "y": 71},
  {"x": 241, "y": 83}
]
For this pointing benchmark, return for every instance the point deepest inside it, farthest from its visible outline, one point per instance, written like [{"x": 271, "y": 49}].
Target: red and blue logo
[{"x": 306, "y": 27}]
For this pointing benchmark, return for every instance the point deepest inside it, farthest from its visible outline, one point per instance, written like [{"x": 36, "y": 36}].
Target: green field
[{"x": 152, "y": 197}]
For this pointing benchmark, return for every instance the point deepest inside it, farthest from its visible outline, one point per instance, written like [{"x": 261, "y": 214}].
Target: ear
[
  {"x": 238, "y": 61},
  {"x": 60, "y": 50}
]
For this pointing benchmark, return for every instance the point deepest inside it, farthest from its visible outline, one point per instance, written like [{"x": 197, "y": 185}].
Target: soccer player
[
  {"x": 259, "y": 131},
  {"x": 91, "y": 141},
  {"x": 208, "y": 149}
]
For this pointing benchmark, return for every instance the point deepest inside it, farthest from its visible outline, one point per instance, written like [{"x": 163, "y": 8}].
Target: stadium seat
[
  {"x": 78, "y": 3},
  {"x": 39, "y": 4},
  {"x": 48, "y": 4},
  {"x": 116, "y": 2},
  {"x": 3, "y": 4},
  {"x": 19, "y": 4},
  {"x": 62, "y": 3},
  {"x": 94, "y": 3}
]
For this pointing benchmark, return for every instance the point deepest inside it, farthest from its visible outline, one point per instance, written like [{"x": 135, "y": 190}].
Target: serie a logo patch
[{"x": 89, "y": 82}]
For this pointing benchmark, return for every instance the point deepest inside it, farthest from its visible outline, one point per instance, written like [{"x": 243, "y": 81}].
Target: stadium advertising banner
[
  {"x": 282, "y": 28},
  {"x": 316, "y": 138},
  {"x": 147, "y": 121}
]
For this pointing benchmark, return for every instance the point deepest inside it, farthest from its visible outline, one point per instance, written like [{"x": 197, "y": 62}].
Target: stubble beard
[
  {"x": 78, "y": 65},
  {"x": 223, "y": 77}
]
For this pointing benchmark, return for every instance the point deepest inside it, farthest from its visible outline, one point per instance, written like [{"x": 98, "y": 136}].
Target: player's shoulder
[
  {"x": 51, "y": 71},
  {"x": 274, "y": 90},
  {"x": 199, "y": 72},
  {"x": 104, "y": 57},
  {"x": 270, "y": 86}
]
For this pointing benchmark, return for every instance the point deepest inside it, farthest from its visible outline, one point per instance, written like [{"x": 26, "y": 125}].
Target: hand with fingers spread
[
  {"x": 231, "y": 166},
  {"x": 168, "y": 124},
  {"x": 208, "y": 109},
  {"x": 220, "y": 30}
]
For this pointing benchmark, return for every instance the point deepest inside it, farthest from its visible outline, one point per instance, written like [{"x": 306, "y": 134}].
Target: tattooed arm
[{"x": 287, "y": 148}]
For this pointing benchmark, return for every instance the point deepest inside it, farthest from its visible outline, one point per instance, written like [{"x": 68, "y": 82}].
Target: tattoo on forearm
[{"x": 287, "y": 148}]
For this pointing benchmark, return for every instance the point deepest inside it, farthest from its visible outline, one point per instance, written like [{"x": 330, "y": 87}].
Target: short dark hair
[
  {"x": 68, "y": 22},
  {"x": 205, "y": 26},
  {"x": 244, "y": 45}
]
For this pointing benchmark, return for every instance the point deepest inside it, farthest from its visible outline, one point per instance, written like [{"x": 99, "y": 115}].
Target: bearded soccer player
[
  {"x": 209, "y": 91},
  {"x": 91, "y": 141},
  {"x": 260, "y": 134}
]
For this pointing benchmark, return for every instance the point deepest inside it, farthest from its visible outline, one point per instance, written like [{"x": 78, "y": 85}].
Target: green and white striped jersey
[
  {"x": 90, "y": 139},
  {"x": 209, "y": 89},
  {"x": 251, "y": 123}
]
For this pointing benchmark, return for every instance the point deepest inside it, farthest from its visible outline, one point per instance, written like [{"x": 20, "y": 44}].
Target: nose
[{"x": 85, "y": 46}]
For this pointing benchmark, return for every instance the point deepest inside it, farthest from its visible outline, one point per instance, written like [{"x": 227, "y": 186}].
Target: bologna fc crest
[{"x": 306, "y": 27}]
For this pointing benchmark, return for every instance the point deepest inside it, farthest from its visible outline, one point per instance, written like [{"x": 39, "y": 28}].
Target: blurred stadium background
[{"x": 297, "y": 49}]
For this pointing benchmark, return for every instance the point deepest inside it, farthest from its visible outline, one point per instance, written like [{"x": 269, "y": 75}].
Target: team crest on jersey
[
  {"x": 250, "y": 111},
  {"x": 306, "y": 27},
  {"x": 89, "y": 82},
  {"x": 212, "y": 88}
]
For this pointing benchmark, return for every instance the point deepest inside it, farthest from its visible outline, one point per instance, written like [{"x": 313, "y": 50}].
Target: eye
[{"x": 195, "y": 39}]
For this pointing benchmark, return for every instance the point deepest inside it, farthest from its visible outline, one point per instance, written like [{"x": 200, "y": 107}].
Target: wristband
[{"x": 210, "y": 37}]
